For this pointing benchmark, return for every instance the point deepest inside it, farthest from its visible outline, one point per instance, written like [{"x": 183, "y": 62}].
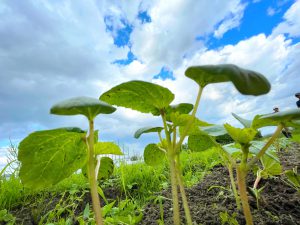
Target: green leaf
[
  {"x": 182, "y": 108},
  {"x": 246, "y": 82},
  {"x": 102, "y": 148},
  {"x": 215, "y": 130},
  {"x": 86, "y": 212},
  {"x": 106, "y": 168},
  {"x": 142, "y": 96},
  {"x": 294, "y": 178},
  {"x": 154, "y": 155},
  {"x": 271, "y": 167},
  {"x": 50, "y": 156},
  {"x": 101, "y": 193},
  {"x": 184, "y": 119},
  {"x": 199, "y": 143},
  {"x": 256, "y": 146},
  {"x": 232, "y": 150},
  {"x": 107, "y": 208},
  {"x": 246, "y": 123},
  {"x": 289, "y": 117},
  {"x": 89, "y": 107},
  {"x": 241, "y": 136},
  {"x": 144, "y": 130}
]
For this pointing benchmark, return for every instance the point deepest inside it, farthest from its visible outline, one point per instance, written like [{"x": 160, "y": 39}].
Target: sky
[{"x": 54, "y": 50}]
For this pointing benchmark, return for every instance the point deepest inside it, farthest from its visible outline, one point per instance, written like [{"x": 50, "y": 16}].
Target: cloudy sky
[{"x": 54, "y": 50}]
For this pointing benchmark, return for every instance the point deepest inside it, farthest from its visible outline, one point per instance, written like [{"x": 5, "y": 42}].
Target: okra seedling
[
  {"x": 244, "y": 137},
  {"x": 151, "y": 98},
  {"x": 246, "y": 82},
  {"x": 49, "y": 156}
]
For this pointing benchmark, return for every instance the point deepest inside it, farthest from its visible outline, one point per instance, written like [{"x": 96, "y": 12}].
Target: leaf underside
[
  {"x": 48, "y": 157},
  {"x": 197, "y": 143},
  {"x": 154, "y": 155},
  {"x": 106, "y": 168},
  {"x": 89, "y": 107},
  {"x": 246, "y": 123},
  {"x": 144, "y": 130},
  {"x": 246, "y": 81},
  {"x": 290, "y": 118},
  {"x": 142, "y": 96},
  {"x": 102, "y": 148}
]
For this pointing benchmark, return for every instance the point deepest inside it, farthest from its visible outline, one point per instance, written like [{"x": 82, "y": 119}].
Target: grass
[{"x": 139, "y": 182}]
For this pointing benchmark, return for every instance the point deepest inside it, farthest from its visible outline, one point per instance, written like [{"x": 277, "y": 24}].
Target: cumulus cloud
[
  {"x": 274, "y": 56},
  {"x": 175, "y": 25},
  {"x": 291, "y": 23},
  {"x": 50, "y": 51}
]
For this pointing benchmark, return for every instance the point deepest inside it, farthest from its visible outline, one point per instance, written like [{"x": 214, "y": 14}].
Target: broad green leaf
[
  {"x": 144, "y": 130},
  {"x": 177, "y": 110},
  {"x": 106, "y": 168},
  {"x": 291, "y": 118},
  {"x": 246, "y": 123},
  {"x": 271, "y": 167},
  {"x": 102, "y": 148},
  {"x": 241, "y": 136},
  {"x": 89, "y": 107},
  {"x": 182, "y": 108},
  {"x": 246, "y": 82},
  {"x": 184, "y": 119},
  {"x": 154, "y": 155},
  {"x": 256, "y": 146},
  {"x": 49, "y": 156},
  {"x": 199, "y": 143},
  {"x": 232, "y": 150},
  {"x": 142, "y": 96},
  {"x": 215, "y": 130},
  {"x": 294, "y": 178}
]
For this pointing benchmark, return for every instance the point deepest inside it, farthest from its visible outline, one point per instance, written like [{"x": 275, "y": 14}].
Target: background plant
[{"x": 48, "y": 157}]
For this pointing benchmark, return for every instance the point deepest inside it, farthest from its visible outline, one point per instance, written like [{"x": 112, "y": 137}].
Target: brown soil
[{"x": 280, "y": 204}]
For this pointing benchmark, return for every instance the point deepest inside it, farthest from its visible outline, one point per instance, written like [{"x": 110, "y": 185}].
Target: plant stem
[
  {"x": 160, "y": 138},
  {"x": 170, "y": 153},
  {"x": 258, "y": 178},
  {"x": 267, "y": 145},
  {"x": 92, "y": 175},
  {"x": 183, "y": 194},
  {"x": 188, "y": 126},
  {"x": 241, "y": 177},
  {"x": 233, "y": 187}
]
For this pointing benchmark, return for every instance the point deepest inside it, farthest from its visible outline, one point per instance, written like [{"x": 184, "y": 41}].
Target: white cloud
[
  {"x": 291, "y": 23},
  {"x": 175, "y": 25},
  {"x": 51, "y": 51},
  {"x": 231, "y": 21},
  {"x": 273, "y": 56}
]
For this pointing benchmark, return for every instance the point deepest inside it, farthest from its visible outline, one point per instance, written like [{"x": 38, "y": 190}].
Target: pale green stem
[
  {"x": 183, "y": 194},
  {"x": 174, "y": 139},
  {"x": 241, "y": 177},
  {"x": 170, "y": 153},
  {"x": 233, "y": 187},
  {"x": 188, "y": 126},
  {"x": 267, "y": 145},
  {"x": 160, "y": 138},
  {"x": 258, "y": 178},
  {"x": 92, "y": 176}
]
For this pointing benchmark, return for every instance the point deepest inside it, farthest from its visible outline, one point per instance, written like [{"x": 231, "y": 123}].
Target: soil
[
  {"x": 31, "y": 212},
  {"x": 280, "y": 203}
]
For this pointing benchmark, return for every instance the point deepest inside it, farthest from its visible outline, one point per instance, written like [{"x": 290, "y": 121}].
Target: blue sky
[{"x": 51, "y": 51}]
